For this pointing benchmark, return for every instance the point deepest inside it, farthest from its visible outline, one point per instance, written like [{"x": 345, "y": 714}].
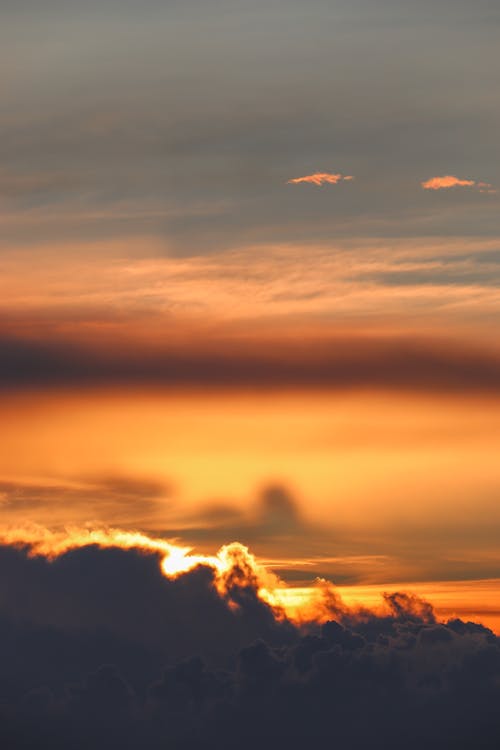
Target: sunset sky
[{"x": 250, "y": 284}]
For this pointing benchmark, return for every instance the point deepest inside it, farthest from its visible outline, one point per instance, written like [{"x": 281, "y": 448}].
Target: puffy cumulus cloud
[
  {"x": 121, "y": 588},
  {"x": 128, "y": 662},
  {"x": 321, "y": 178},
  {"x": 450, "y": 181}
]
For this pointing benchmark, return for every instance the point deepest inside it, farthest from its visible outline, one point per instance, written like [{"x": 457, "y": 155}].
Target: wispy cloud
[
  {"x": 485, "y": 187},
  {"x": 450, "y": 181},
  {"x": 321, "y": 178}
]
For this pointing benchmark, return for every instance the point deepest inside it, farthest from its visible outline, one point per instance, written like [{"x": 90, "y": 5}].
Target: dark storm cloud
[
  {"x": 93, "y": 654},
  {"x": 337, "y": 363},
  {"x": 125, "y": 593}
]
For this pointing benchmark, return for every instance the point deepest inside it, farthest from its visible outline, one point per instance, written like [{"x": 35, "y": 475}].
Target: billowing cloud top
[
  {"x": 100, "y": 650},
  {"x": 321, "y": 178}
]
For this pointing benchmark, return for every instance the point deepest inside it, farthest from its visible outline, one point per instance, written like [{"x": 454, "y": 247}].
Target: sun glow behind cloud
[
  {"x": 234, "y": 567},
  {"x": 311, "y": 319},
  {"x": 349, "y": 459}
]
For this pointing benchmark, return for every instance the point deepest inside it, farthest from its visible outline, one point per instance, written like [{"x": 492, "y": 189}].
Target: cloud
[
  {"x": 116, "y": 499},
  {"x": 276, "y": 516},
  {"x": 122, "y": 590},
  {"x": 449, "y": 181},
  {"x": 133, "y": 660},
  {"x": 343, "y": 283},
  {"x": 328, "y": 361},
  {"x": 321, "y": 178}
]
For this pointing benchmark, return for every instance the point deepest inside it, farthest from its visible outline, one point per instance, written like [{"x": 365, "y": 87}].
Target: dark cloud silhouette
[
  {"x": 275, "y": 515},
  {"x": 125, "y": 593},
  {"x": 97, "y": 650},
  {"x": 331, "y": 362}
]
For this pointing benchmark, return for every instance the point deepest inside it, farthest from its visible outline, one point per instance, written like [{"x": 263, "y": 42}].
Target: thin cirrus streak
[
  {"x": 447, "y": 182},
  {"x": 321, "y": 178}
]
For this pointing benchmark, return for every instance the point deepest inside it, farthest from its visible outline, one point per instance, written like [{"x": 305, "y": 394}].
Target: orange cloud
[
  {"x": 320, "y": 178},
  {"x": 450, "y": 181},
  {"x": 233, "y": 566}
]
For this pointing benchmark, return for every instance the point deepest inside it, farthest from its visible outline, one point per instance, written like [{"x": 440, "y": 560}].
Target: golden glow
[
  {"x": 104, "y": 293},
  {"x": 234, "y": 565},
  {"x": 478, "y": 601},
  {"x": 348, "y": 459},
  {"x": 387, "y": 486}
]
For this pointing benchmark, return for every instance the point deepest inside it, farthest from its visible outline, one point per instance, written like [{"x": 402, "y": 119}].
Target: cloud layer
[
  {"x": 330, "y": 362},
  {"x": 99, "y": 650}
]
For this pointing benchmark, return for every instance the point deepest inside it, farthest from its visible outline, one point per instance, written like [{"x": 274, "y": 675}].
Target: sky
[
  {"x": 175, "y": 125},
  {"x": 250, "y": 293}
]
